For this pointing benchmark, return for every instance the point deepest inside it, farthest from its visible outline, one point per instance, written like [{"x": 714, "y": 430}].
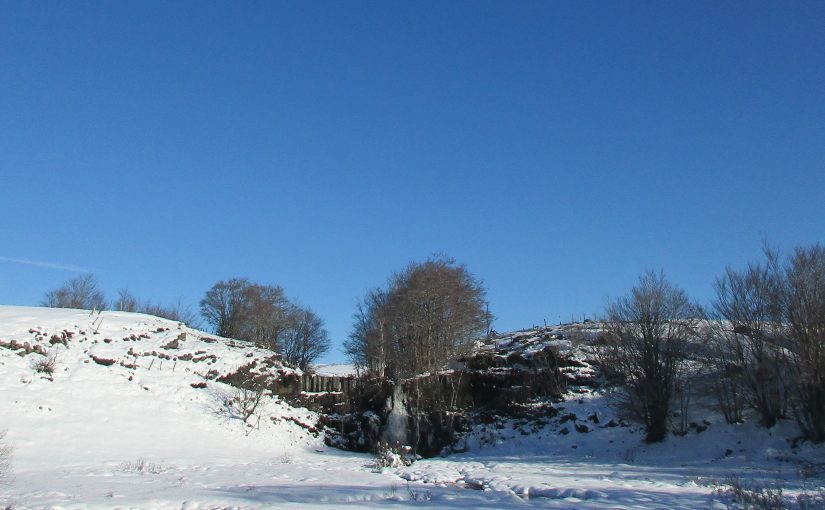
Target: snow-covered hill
[
  {"x": 591, "y": 453},
  {"x": 134, "y": 416}
]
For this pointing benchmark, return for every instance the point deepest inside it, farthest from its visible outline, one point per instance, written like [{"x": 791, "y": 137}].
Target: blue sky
[{"x": 558, "y": 149}]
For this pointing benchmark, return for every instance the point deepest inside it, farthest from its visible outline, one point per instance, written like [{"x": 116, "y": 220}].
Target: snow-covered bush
[
  {"x": 388, "y": 455},
  {"x": 140, "y": 466}
]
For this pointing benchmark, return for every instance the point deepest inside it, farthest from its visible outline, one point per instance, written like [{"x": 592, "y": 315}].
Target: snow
[
  {"x": 335, "y": 370},
  {"x": 137, "y": 434}
]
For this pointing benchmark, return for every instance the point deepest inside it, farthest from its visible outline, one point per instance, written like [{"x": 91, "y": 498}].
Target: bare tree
[
  {"x": 802, "y": 306},
  {"x": 125, "y": 301},
  {"x": 265, "y": 315},
  {"x": 224, "y": 306},
  {"x": 81, "y": 292},
  {"x": 773, "y": 335},
  {"x": 178, "y": 312},
  {"x": 647, "y": 347},
  {"x": 305, "y": 339},
  {"x": 368, "y": 344},
  {"x": 748, "y": 352},
  {"x": 429, "y": 312}
]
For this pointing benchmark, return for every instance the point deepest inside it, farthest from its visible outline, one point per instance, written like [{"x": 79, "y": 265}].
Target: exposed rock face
[{"x": 517, "y": 375}]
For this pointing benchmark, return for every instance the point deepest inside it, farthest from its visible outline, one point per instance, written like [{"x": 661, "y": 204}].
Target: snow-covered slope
[
  {"x": 586, "y": 451},
  {"x": 133, "y": 416},
  {"x": 127, "y": 389}
]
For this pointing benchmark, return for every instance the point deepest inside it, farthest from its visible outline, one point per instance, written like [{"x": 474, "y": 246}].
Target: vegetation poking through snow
[{"x": 46, "y": 365}]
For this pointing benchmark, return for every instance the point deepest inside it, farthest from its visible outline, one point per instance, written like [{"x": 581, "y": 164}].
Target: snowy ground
[
  {"x": 335, "y": 369},
  {"x": 137, "y": 434}
]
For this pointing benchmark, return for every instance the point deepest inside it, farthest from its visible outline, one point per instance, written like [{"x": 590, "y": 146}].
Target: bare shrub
[
  {"x": 178, "y": 312},
  {"x": 247, "y": 399},
  {"x": 244, "y": 400},
  {"x": 418, "y": 495},
  {"x": 646, "y": 348},
  {"x": 81, "y": 292},
  {"x": 140, "y": 466},
  {"x": 46, "y": 365},
  {"x": 755, "y": 497}
]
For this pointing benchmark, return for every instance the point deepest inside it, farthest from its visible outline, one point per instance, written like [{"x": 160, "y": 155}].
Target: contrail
[{"x": 49, "y": 265}]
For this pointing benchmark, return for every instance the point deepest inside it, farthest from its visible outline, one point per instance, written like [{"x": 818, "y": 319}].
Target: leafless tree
[
  {"x": 265, "y": 315},
  {"x": 428, "y": 313},
  {"x": 802, "y": 306},
  {"x": 125, "y": 301},
  {"x": 178, "y": 312},
  {"x": 367, "y": 346},
  {"x": 305, "y": 338},
  {"x": 81, "y": 292},
  {"x": 774, "y": 335},
  {"x": 224, "y": 306},
  {"x": 747, "y": 348},
  {"x": 648, "y": 332}
]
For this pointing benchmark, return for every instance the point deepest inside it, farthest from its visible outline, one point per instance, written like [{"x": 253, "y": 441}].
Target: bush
[
  {"x": 246, "y": 400},
  {"x": 46, "y": 365},
  {"x": 753, "y": 498},
  {"x": 392, "y": 455},
  {"x": 179, "y": 312},
  {"x": 81, "y": 292},
  {"x": 247, "y": 393},
  {"x": 140, "y": 466}
]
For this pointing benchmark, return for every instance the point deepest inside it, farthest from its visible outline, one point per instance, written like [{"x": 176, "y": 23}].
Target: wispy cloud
[{"x": 48, "y": 265}]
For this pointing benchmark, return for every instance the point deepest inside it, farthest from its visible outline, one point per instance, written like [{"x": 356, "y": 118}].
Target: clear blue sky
[{"x": 558, "y": 149}]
